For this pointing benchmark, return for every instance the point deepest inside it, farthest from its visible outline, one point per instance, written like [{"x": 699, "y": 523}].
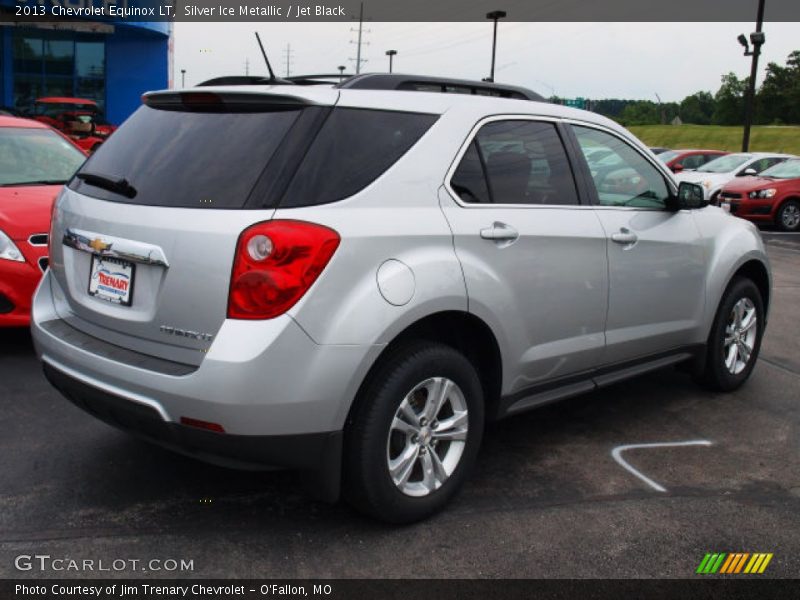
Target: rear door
[
  {"x": 656, "y": 257},
  {"x": 533, "y": 256},
  {"x": 144, "y": 237}
]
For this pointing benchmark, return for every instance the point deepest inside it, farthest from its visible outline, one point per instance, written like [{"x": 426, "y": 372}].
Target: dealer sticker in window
[{"x": 112, "y": 280}]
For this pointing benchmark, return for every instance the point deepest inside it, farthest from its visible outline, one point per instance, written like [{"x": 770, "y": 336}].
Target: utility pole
[
  {"x": 495, "y": 16},
  {"x": 662, "y": 109},
  {"x": 358, "y": 59},
  {"x": 757, "y": 38},
  {"x": 391, "y": 54},
  {"x": 288, "y": 53}
]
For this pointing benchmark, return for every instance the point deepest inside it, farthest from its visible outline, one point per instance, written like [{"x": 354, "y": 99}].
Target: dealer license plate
[{"x": 111, "y": 279}]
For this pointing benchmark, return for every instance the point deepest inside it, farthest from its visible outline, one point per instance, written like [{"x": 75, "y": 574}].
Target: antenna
[{"x": 266, "y": 60}]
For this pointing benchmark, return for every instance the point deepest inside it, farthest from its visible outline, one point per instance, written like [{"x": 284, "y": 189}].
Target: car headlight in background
[
  {"x": 768, "y": 193},
  {"x": 9, "y": 250}
]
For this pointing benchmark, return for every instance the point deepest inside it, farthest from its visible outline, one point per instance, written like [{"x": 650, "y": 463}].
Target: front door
[{"x": 656, "y": 256}]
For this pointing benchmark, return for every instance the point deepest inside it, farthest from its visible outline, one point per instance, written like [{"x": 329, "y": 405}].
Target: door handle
[
  {"x": 500, "y": 232},
  {"x": 625, "y": 236}
]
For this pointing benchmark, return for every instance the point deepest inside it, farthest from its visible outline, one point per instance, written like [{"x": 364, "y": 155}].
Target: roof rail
[
  {"x": 323, "y": 79},
  {"x": 388, "y": 81},
  {"x": 446, "y": 85}
]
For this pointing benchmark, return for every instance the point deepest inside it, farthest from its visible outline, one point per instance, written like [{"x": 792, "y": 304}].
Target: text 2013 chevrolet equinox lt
[{"x": 350, "y": 282}]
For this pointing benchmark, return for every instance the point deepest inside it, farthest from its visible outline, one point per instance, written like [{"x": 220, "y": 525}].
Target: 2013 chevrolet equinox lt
[{"x": 350, "y": 282}]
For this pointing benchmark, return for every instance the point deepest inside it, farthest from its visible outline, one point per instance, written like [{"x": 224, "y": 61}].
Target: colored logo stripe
[{"x": 733, "y": 563}]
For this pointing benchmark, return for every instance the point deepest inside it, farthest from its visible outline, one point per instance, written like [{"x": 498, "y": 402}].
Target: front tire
[
  {"x": 415, "y": 433},
  {"x": 735, "y": 338},
  {"x": 788, "y": 217}
]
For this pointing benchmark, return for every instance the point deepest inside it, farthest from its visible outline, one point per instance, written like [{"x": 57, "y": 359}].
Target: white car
[{"x": 713, "y": 175}]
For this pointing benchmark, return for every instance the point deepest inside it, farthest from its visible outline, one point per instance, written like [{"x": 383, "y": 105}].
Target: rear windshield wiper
[
  {"x": 118, "y": 185},
  {"x": 36, "y": 182}
]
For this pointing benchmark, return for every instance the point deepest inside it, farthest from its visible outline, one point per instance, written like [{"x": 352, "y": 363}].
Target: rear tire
[
  {"x": 735, "y": 338},
  {"x": 788, "y": 217},
  {"x": 415, "y": 433}
]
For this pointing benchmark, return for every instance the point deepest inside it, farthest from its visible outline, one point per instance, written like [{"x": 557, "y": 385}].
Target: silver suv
[{"x": 351, "y": 280}]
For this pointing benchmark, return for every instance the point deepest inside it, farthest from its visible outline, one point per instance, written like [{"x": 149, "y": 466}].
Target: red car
[
  {"x": 771, "y": 197},
  {"x": 79, "y": 118},
  {"x": 679, "y": 160},
  {"x": 35, "y": 161}
]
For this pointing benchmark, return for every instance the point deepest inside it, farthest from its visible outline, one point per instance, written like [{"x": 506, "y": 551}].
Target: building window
[{"x": 50, "y": 64}]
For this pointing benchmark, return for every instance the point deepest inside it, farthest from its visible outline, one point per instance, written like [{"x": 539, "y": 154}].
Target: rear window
[
  {"x": 353, "y": 148},
  {"x": 188, "y": 159}
]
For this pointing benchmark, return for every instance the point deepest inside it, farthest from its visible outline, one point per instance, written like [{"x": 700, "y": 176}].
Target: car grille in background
[
  {"x": 729, "y": 195},
  {"x": 38, "y": 239},
  {"x": 6, "y": 306},
  {"x": 44, "y": 262}
]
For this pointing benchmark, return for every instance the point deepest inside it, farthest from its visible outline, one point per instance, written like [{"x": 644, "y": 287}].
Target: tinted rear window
[
  {"x": 188, "y": 159},
  {"x": 353, "y": 148}
]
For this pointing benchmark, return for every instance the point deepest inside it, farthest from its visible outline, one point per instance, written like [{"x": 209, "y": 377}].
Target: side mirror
[
  {"x": 748, "y": 171},
  {"x": 677, "y": 168},
  {"x": 690, "y": 196}
]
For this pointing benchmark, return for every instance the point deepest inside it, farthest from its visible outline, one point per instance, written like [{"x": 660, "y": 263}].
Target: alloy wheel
[
  {"x": 427, "y": 436},
  {"x": 790, "y": 216},
  {"x": 740, "y": 336}
]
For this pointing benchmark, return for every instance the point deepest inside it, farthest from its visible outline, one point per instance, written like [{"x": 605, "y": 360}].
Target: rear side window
[
  {"x": 188, "y": 159},
  {"x": 353, "y": 148},
  {"x": 524, "y": 162},
  {"x": 469, "y": 180}
]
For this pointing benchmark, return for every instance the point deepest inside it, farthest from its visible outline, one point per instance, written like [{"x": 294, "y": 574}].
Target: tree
[
  {"x": 642, "y": 112},
  {"x": 729, "y": 109},
  {"x": 697, "y": 108},
  {"x": 778, "y": 100}
]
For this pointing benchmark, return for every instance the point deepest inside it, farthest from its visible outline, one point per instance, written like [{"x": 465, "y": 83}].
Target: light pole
[
  {"x": 757, "y": 38},
  {"x": 341, "y": 72},
  {"x": 391, "y": 54},
  {"x": 183, "y": 77},
  {"x": 495, "y": 16}
]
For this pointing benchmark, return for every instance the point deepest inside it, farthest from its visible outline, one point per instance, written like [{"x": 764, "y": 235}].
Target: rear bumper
[
  {"x": 319, "y": 454},
  {"x": 262, "y": 378}
]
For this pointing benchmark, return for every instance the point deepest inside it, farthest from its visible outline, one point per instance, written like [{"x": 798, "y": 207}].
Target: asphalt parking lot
[{"x": 547, "y": 499}]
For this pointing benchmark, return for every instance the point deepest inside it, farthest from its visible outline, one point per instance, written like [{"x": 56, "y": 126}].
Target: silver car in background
[{"x": 351, "y": 280}]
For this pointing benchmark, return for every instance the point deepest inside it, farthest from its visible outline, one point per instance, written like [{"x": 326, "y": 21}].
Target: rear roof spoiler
[{"x": 221, "y": 101}]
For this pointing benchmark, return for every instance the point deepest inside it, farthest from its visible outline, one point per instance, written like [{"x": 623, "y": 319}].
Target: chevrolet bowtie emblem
[{"x": 99, "y": 245}]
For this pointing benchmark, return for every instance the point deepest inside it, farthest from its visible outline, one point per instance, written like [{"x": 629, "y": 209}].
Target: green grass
[{"x": 716, "y": 137}]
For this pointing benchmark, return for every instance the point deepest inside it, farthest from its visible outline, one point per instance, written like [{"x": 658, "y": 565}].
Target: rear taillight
[{"x": 276, "y": 262}]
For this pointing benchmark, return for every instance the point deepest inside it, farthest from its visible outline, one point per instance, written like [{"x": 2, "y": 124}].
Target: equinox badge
[{"x": 195, "y": 335}]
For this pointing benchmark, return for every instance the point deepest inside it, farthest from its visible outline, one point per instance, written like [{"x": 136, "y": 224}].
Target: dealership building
[{"x": 111, "y": 61}]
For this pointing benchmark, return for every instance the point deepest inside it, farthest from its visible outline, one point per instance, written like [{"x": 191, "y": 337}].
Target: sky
[{"x": 590, "y": 60}]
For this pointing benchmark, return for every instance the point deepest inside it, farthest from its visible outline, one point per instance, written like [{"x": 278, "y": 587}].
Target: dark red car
[
  {"x": 35, "y": 161},
  {"x": 679, "y": 160},
  {"x": 771, "y": 197},
  {"x": 79, "y": 118}
]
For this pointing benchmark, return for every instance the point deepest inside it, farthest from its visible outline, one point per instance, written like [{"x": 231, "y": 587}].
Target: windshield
[
  {"x": 725, "y": 164},
  {"x": 667, "y": 156},
  {"x": 785, "y": 170},
  {"x": 52, "y": 109},
  {"x": 31, "y": 156}
]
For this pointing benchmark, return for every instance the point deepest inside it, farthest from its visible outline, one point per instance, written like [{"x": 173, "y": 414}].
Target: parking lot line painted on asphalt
[{"x": 616, "y": 454}]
